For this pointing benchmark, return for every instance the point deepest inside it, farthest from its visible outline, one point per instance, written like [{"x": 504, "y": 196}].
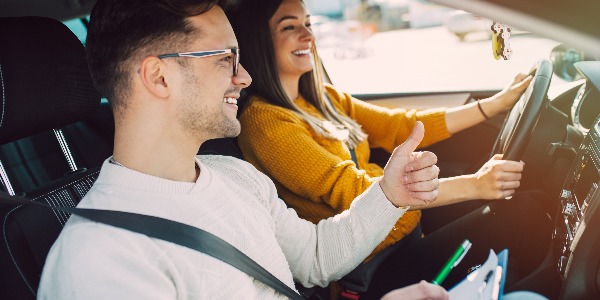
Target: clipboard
[
  {"x": 486, "y": 283},
  {"x": 502, "y": 262}
]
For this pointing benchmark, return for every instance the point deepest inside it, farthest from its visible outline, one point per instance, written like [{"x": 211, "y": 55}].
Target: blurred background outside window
[{"x": 415, "y": 46}]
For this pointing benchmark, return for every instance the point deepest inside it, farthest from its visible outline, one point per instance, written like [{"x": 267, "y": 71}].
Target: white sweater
[{"x": 230, "y": 199}]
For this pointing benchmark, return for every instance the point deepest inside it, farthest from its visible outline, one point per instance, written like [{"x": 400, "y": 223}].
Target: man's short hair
[{"x": 125, "y": 31}]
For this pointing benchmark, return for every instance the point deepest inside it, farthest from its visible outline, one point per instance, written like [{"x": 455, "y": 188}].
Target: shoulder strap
[
  {"x": 352, "y": 152},
  {"x": 174, "y": 232}
]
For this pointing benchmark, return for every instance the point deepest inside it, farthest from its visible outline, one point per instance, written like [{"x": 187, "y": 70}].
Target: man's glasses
[{"x": 235, "y": 51}]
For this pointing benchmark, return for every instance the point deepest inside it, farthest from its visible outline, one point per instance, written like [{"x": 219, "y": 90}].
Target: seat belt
[
  {"x": 346, "y": 293},
  {"x": 352, "y": 152},
  {"x": 174, "y": 232}
]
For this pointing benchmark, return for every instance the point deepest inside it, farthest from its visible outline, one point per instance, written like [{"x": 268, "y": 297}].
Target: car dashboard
[
  {"x": 578, "y": 192},
  {"x": 576, "y": 239},
  {"x": 586, "y": 107}
]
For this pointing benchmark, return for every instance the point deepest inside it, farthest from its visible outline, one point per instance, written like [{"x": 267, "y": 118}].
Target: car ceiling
[{"x": 56, "y": 9}]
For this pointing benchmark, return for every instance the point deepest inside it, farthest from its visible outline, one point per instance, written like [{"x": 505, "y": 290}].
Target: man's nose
[{"x": 242, "y": 78}]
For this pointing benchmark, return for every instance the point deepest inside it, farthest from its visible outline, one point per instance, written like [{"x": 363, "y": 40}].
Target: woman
[{"x": 310, "y": 128}]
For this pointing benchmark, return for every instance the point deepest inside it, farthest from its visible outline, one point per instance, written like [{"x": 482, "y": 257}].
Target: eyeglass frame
[{"x": 207, "y": 53}]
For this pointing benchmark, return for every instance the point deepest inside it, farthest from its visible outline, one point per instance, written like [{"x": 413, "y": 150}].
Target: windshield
[{"x": 410, "y": 46}]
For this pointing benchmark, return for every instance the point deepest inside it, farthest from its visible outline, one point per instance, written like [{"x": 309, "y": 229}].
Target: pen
[{"x": 452, "y": 262}]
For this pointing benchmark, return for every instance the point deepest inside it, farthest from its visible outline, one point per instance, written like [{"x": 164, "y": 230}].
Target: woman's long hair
[{"x": 250, "y": 21}]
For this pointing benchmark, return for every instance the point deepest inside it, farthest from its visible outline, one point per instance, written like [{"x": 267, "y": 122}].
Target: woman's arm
[
  {"x": 497, "y": 179},
  {"x": 465, "y": 116},
  {"x": 388, "y": 128},
  {"x": 280, "y": 144}
]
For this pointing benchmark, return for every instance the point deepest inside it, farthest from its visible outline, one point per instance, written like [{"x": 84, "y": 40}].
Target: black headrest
[{"x": 44, "y": 79}]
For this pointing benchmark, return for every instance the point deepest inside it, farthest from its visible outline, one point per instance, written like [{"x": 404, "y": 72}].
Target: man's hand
[
  {"x": 422, "y": 290},
  {"x": 497, "y": 178},
  {"x": 410, "y": 178}
]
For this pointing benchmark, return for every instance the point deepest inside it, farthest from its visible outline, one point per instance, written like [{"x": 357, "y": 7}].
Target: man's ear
[{"x": 152, "y": 73}]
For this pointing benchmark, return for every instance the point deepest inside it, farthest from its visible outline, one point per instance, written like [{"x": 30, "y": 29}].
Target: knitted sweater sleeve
[
  {"x": 388, "y": 128},
  {"x": 321, "y": 253},
  {"x": 296, "y": 160}
]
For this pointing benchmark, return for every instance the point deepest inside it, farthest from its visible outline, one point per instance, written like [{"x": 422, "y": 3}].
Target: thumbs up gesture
[{"x": 410, "y": 178}]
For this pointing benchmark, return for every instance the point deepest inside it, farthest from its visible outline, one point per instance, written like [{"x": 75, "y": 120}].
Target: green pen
[{"x": 452, "y": 262}]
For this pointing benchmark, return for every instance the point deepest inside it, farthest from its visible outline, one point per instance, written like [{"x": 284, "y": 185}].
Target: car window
[
  {"x": 413, "y": 46},
  {"x": 78, "y": 27}
]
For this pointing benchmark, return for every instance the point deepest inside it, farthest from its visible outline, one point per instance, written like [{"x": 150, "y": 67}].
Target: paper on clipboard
[{"x": 484, "y": 283}]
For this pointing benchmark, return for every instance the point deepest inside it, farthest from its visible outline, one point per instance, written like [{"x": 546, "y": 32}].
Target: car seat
[{"x": 44, "y": 84}]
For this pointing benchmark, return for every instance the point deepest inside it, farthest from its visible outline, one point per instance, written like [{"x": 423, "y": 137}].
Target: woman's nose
[{"x": 307, "y": 34}]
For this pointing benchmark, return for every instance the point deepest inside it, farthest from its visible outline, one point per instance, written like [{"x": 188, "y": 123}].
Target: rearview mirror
[{"x": 563, "y": 59}]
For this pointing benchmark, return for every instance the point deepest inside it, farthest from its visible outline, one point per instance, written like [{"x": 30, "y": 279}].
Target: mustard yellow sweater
[{"x": 316, "y": 175}]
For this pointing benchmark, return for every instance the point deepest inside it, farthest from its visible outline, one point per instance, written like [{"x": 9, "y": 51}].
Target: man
[{"x": 166, "y": 104}]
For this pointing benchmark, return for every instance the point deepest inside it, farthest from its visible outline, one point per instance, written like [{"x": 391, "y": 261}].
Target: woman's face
[{"x": 292, "y": 38}]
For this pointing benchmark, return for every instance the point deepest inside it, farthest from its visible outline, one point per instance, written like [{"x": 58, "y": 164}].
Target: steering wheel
[{"x": 520, "y": 122}]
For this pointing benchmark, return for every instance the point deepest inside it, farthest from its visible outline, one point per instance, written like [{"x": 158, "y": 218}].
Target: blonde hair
[
  {"x": 336, "y": 125},
  {"x": 251, "y": 25}
]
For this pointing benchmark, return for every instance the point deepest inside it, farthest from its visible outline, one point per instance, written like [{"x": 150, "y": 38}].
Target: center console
[{"x": 577, "y": 195}]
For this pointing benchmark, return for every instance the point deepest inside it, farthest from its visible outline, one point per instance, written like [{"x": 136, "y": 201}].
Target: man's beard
[{"x": 202, "y": 121}]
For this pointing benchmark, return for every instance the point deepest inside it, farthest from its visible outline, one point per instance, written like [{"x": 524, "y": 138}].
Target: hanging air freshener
[{"x": 500, "y": 44}]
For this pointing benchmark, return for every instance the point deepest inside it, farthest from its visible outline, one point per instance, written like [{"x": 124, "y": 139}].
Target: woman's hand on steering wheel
[
  {"x": 497, "y": 178},
  {"x": 506, "y": 99},
  {"x": 520, "y": 122}
]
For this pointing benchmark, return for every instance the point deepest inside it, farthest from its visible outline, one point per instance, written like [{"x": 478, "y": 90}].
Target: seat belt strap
[{"x": 174, "y": 232}]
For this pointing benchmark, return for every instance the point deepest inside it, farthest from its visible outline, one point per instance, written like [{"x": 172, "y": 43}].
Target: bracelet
[{"x": 481, "y": 110}]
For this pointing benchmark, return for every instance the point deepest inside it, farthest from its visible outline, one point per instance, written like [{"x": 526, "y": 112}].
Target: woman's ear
[{"x": 152, "y": 73}]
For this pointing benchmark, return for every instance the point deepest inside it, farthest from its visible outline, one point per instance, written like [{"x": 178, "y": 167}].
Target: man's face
[{"x": 209, "y": 89}]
